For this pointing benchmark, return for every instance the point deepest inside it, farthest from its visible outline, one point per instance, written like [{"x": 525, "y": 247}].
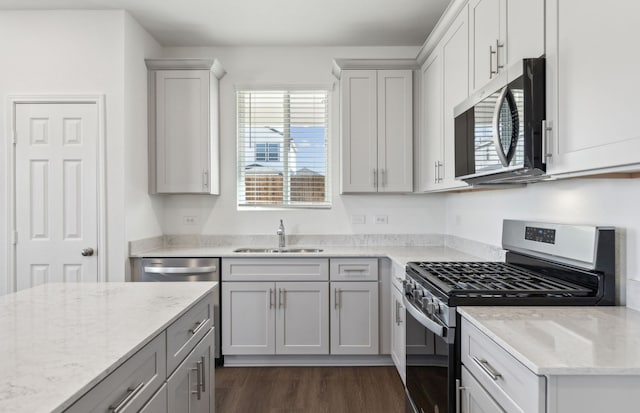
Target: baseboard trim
[{"x": 306, "y": 361}]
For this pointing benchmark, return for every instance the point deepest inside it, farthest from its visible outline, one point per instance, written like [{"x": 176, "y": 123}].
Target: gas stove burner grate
[{"x": 493, "y": 278}]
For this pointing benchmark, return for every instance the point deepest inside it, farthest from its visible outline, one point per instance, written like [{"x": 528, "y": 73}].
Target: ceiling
[{"x": 270, "y": 22}]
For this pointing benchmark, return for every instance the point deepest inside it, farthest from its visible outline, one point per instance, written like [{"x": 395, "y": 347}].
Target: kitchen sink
[{"x": 276, "y": 250}]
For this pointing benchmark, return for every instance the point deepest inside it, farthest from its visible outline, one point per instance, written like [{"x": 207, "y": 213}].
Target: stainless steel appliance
[
  {"x": 182, "y": 269},
  {"x": 500, "y": 131},
  {"x": 546, "y": 264}
]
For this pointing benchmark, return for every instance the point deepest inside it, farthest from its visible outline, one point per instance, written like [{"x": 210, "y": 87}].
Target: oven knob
[
  {"x": 417, "y": 293},
  {"x": 431, "y": 307},
  {"x": 426, "y": 302},
  {"x": 435, "y": 307}
]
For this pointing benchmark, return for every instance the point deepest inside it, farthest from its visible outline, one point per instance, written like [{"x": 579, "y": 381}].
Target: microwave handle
[{"x": 545, "y": 141}]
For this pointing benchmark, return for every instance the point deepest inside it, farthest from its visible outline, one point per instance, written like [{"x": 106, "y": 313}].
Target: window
[
  {"x": 282, "y": 148},
  {"x": 267, "y": 152}
]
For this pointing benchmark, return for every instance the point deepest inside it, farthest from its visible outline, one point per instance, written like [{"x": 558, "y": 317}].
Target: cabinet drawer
[
  {"x": 275, "y": 269},
  {"x": 354, "y": 269},
  {"x": 509, "y": 382},
  {"x": 185, "y": 332},
  {"x": 130, "y": 385}
]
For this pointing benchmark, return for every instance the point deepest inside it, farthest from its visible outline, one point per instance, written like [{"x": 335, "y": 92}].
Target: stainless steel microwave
[{"x": 499, "y": 130}]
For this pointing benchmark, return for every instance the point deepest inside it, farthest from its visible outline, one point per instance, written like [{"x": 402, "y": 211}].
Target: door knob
[{"x": 87, "y": 252}]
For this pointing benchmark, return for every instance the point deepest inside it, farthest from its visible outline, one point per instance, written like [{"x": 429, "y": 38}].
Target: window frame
[{"x": 328, "y": 202}]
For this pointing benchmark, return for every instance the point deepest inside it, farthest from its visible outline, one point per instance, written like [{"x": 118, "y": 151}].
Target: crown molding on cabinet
[
  {"x": 372, "y": 64},
  {"x": 447, "y": 18},
  {"x": 213, "y": 65}
]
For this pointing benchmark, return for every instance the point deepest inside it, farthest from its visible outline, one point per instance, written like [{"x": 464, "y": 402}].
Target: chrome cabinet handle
[
  {"x": 198, "y": 326},
  {"x": 384, "y": 177},
  {"x": 202, "y": 383},
  {"x": 491, "y": 53},
  {"x": 487, "y": 368},
  {"x": 205, "y": 178},
  {"x": 282, "y": 296},
  {"x": 435, "y": 172},
  {"x": 198, "y": 391},
  {"x": 354, "y": 270},
  {"x": 336, "y": 296},
  {"x": 87, "y": 252},
  {"x": 438, "y": 166},
  {"x": 271, "y": 298},
  {"x": 375, "y": 178},
  {"x": 498, "y": 65},
  {"x": 397, "y": 313},
  {"x": 546, "y": 154},
  {"x": 131, "y": 393}
]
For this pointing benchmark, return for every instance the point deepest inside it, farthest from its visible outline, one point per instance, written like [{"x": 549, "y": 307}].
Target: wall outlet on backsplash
[
  {"x": 381, "y": 219},
  {"x": 190, "y": 220}
]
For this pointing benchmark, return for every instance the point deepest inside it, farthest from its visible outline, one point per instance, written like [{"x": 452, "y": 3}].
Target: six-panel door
[{"x": 56, "y": 197}]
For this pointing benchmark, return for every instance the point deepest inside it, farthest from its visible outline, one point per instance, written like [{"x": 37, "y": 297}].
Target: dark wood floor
[{"x": 308, "y": 390}]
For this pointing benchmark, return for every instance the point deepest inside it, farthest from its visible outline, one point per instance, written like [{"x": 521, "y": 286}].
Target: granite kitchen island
[{"x": 75, "y": 347}]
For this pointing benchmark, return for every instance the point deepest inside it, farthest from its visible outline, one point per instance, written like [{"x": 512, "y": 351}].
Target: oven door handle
[{"x": 434, "y": 327}]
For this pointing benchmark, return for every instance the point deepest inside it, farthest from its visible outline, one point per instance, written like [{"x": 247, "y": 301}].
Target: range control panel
[{"x": 546, "y": 235}]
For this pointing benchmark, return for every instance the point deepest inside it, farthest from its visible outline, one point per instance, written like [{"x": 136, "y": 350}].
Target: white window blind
[{"x": 282, "y": 148}]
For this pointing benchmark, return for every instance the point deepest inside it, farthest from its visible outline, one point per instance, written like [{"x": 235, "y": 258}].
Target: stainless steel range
[{"x": 546, "y": 264}]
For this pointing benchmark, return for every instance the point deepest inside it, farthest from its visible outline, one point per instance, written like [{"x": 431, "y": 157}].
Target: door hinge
[{"x": 14, "y": 237}]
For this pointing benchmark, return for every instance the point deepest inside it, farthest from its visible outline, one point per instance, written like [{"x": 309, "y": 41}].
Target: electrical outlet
[
  {"x": 358, "y": 219},
  {"x": 381, "y": 219},
  {"x": 189, "y": 220}
]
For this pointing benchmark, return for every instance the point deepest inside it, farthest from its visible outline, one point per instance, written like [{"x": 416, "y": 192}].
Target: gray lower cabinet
[
  {"x": 158, "y": 403},
  {"x": 190, "y": 387}
]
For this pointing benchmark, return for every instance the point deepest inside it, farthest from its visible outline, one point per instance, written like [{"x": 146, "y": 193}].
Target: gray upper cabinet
[
  {"x": 376, "y": 111},
  {"x": 183, "y": 126},
  {"x": 502, "y": 32}
]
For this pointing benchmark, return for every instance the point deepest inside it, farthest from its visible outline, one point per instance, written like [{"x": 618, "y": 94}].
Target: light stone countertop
[
  {"x": 58, "y": 340},
  {"x": 564, "y": 340},
  {"x": 400, "y": 255}
]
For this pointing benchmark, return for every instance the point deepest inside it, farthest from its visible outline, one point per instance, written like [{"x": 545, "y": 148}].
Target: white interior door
[{"x": 56, "y": 192}]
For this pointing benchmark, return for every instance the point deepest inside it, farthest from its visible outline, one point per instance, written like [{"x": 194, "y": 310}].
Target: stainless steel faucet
[{"x": 281, "y": 235}]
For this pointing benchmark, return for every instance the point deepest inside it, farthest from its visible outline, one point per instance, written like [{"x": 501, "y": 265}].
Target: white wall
[
  {"x": 479, "y": 215},
  {"x": 86, "y": 53},
  {"x": 143, "y": 211},
  {"x": 66, "y": 52},
  {"x": 283, "y": 66}
]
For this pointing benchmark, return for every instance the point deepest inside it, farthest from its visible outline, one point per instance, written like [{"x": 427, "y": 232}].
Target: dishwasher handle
[{"x": 180, "y": 270}]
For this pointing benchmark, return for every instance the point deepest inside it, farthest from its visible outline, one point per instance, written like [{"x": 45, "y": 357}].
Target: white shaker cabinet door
[
  {"x": 525, "y": 30},
  {"x": 190, "y": 387},
  {"x": 354, "y": 317},
  {"x": 474, "y": 398},
  {"x": 248, "y": 318},
  {"x": 592, "y": 85},
  {"x": 359, "y": 113},
  {"x": 487, "y": 40},
  {"x": 182, "y": 131},
  {"x": 455, "y": 85},
  {"x": 302, "y": 322},
  {"x": 398, "y": 332},
  {"x": 395, "y": 130},
  {"x": 431, "y": 126}
]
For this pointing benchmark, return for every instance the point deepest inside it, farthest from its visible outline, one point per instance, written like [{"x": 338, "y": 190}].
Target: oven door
[{"x": 430, "y": 363}]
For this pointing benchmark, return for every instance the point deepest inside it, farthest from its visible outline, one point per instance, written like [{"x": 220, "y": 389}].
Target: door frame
[{"x": 101, "y": 187}]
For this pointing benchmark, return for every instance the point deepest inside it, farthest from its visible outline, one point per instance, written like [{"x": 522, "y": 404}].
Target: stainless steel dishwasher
[{"x": 182, "y": 269}]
